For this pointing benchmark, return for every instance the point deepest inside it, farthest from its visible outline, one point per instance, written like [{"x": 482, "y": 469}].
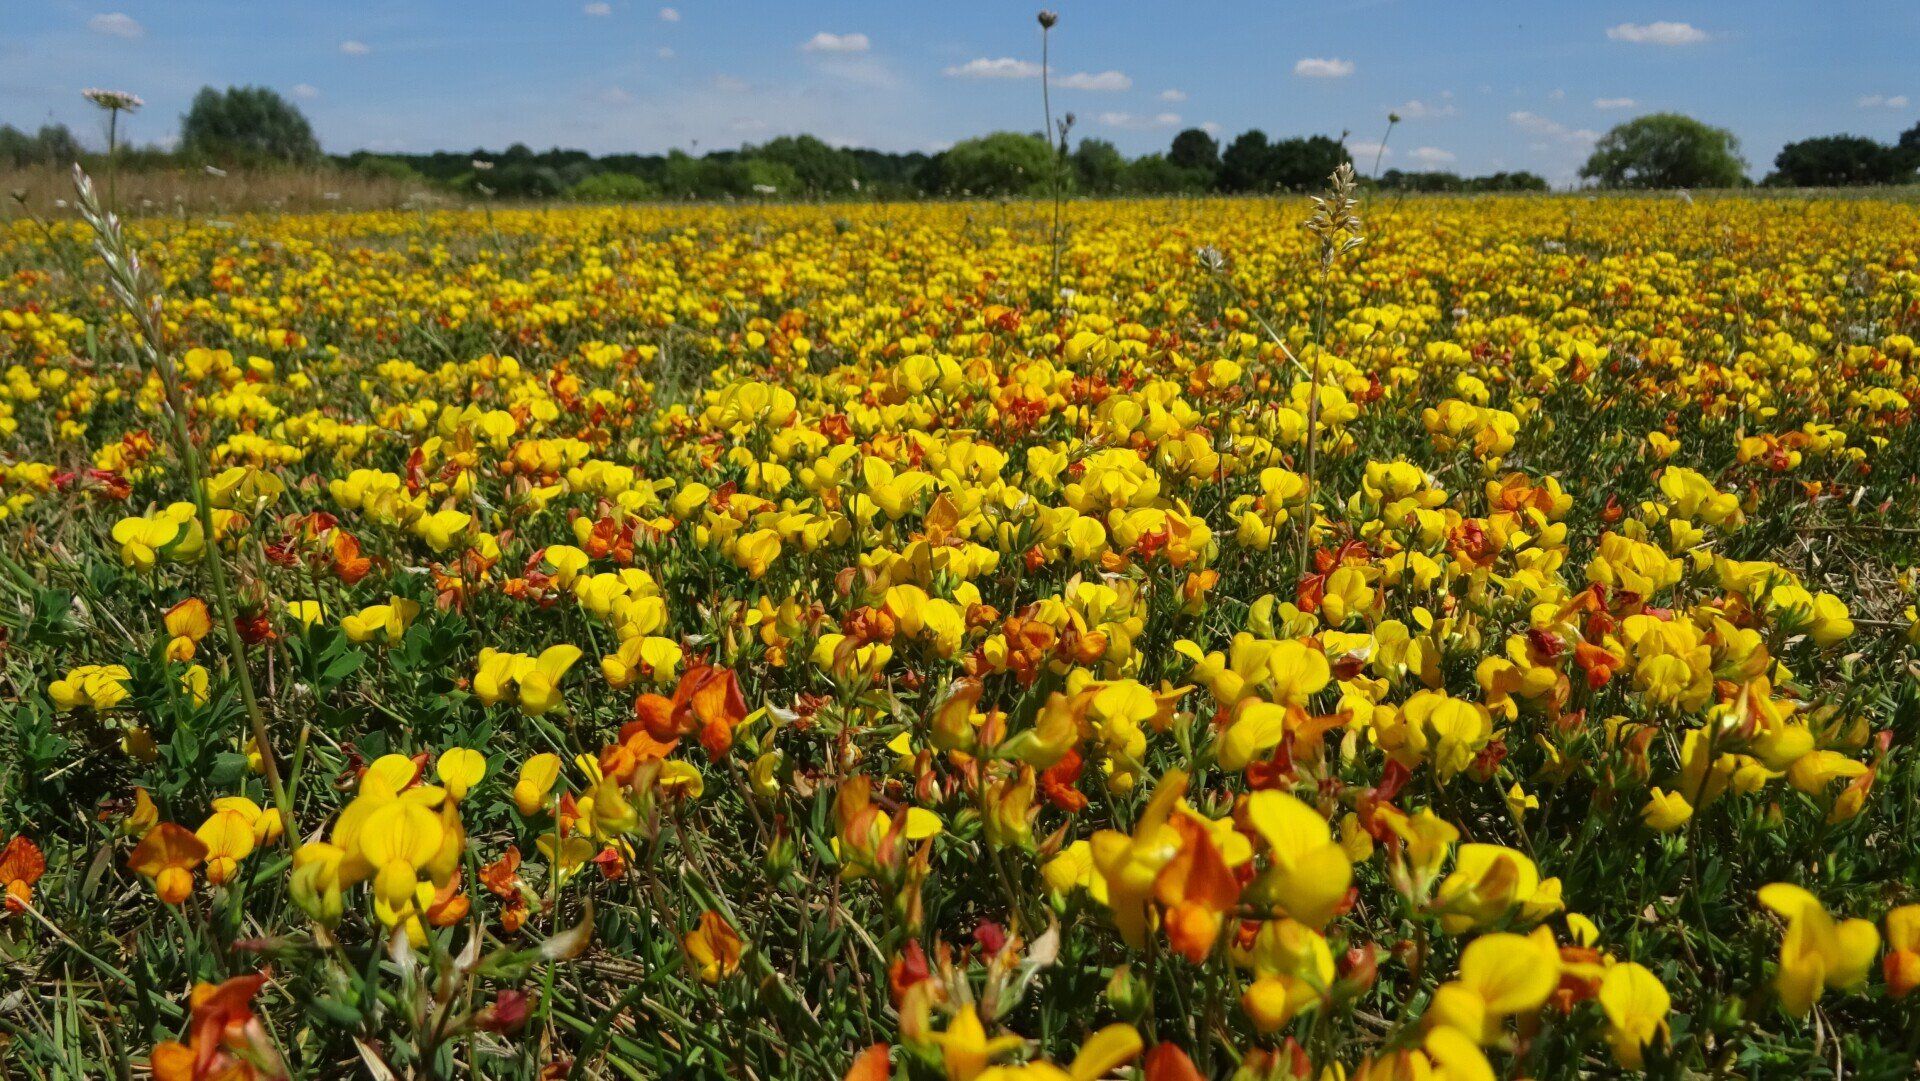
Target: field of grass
[{"x": 1404, "y": 639}]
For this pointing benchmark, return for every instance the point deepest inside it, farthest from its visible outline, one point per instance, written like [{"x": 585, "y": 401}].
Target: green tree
[
  {"x": 818, "y": 169},
  {"x": 1004, "y": 163},
  {"x": 1195, "y": 149},
  {"x": 1305, "y": 164},
  {"x": 53, "y": 144},
  {"x": 612, "y": 188},
  {"x": 1909, "y": 146},
  {"x": 1156, "y": 174},
  {"x": 1833, "y": 161},
  {"x": 1098, "y": 166},
  {"x": 1666, "y": 150},
  {"x": 1247, "y": 163},
  {"x": 249, "y": 125}
]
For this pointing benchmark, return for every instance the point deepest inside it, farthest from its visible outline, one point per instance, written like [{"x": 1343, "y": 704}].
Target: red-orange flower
[
  {"x": 225, "y": 1041},
  {"x": 709, "y": 699},
  {"x": 21, "y": 865}
]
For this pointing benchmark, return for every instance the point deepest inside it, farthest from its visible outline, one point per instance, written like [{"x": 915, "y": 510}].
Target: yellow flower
[
  {"x": 1455, "y": 728},
  {"x": 1666, "y": 811},
  {"x": 387, "y": 622},
  {"x": 714, "y": 947},
  {"x": 1489, "y": 883},
  {"x": 459, "y": 769},
  {"x": 965, "y": 1049},
  {"x": 537, "y": 779},
  {"x": 91, "y": 686},
  {"x": 1816, "y": 953},
  {"x": 1308, "y": 872},
  {"x": 172, "y": 533},
  {"x": 1501, "y": 975},
  {"x": 1636, "y": 1006}
]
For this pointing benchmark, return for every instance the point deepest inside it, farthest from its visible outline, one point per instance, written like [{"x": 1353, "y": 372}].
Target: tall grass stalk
[
  {"x": 138, "y": 294},
  {"x": 1336, "y": 222}
]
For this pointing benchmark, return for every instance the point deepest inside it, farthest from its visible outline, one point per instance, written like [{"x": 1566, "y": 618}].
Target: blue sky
[{"x": 1480, "y": 86}]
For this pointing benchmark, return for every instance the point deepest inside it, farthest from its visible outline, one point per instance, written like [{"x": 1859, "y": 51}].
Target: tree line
[
  {"x": 256, "y": 127},
  {"x": 1668, "y": 150}
]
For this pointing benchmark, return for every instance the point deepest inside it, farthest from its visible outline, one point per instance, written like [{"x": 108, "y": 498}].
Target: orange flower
[
  {"x": 186, "y": 623},
  {"x": 870, "y": 1065},
  {"x": 1198, "y": 889},
  {"x": 225, "y": 1041},
  {"x": 709, "y": 699},
  {"x": 21, "y": 865},
  {"x": 1166, "y": 1062},
  {"x": 167, "y": 855},
  {"x": 713, "y": 947}
]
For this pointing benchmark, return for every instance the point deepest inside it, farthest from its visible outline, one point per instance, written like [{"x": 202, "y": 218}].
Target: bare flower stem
[{"x": 140, "y": 297}]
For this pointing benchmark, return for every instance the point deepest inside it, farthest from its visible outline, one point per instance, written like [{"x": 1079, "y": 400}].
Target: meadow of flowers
[{"x": 1425, "y": 639}]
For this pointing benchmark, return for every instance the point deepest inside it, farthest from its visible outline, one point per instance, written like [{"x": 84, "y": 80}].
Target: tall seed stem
[{"x": 137, "y": 293}]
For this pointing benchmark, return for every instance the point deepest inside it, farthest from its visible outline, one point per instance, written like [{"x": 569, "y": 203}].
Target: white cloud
[
  {"x": 1105, "y": 80},
  {"x": 1174, "y": 96},
  {"x": 1614, "y": 103},
  {"x": 306, "y": 91},
  {"x": 354, "y": 48},
  {"x": 669, "y": 15},
  {"x": 1431, "y": 156},
  {"x": 598, "y": 9},
  {"x": 663, "y": 53},
  {"x": 1136, "y": 122},
  {"x": 1365, "y": 151},
  {"x": 1660, "y": 33},
  {"x": 1881, "y": 101},
  {"x": 1211, "y": 127},
  {"x": 1557, "y": 95},
  {"x": 1421, "y": 110},
  {"x": 1535, "y": 124},
  {"x": 728, "y": 84},
  {"x": 117, "y": 24},
  {"x": 614, "y": 95},
  {"x": 1005, "y": 67},
  {"x": 1314, "y": 67},
  {"x": 824, "y": 42}
]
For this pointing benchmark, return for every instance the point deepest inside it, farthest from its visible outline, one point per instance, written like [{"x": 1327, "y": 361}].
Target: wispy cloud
[
  {"x": 1315, "y": 67},
  {"x": 598, "y": 9},
  {"x": 1136, "y": 122},
  {"x": 1659, "y": 33},
  {"x": 1005, "y": 67},
  {"x": 1432, "y": 156},
  {"x": 1880, "y": 101},
  {"x": 306, "y": 91},
  {"x": 117, "y": 24},
  {"x": 1535, "y": 124},
  {"x": 355, "y": 48},
  {"x": 1614, "y": 103},
  {"x": 824, "y": 42},
  {"x": 669, "y": 15},
  {"x": 1425, "y": 110},
  {"x": 1105, "y": 80},
  {"x": 1173, "y": 96},
  {"x": 728, "y": 84}
]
